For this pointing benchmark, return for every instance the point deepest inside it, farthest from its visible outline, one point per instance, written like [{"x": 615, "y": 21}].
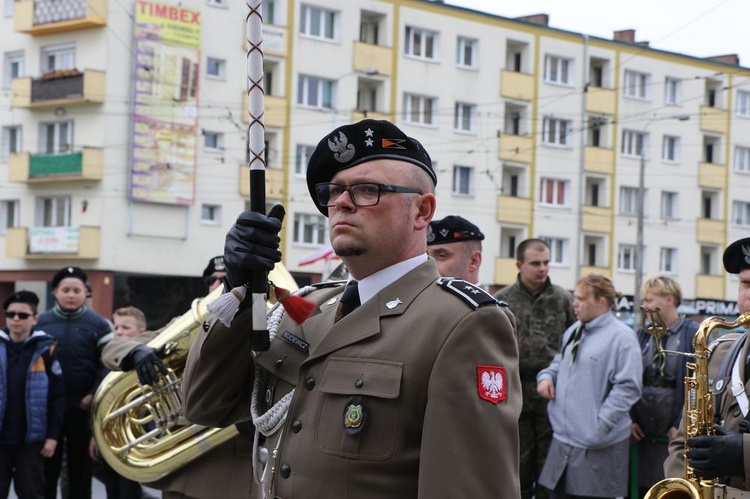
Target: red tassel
[{"x": 297, "y": 307}]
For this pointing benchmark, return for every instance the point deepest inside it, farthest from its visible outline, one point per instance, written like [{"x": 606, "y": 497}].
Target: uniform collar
[{"x": 372, "y": 284}]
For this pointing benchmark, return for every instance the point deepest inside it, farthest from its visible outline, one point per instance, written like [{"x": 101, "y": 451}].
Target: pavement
[{"x": 97, "y": 491}]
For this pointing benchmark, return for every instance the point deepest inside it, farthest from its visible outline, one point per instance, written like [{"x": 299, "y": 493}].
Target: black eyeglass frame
[
  {"x": 319, "y": 195},
  {"x": 21, "y": 315}
]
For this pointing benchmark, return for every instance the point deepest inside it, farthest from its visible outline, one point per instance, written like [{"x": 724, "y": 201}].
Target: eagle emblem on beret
[
  {"x": 342, "y": 150},
  {"x": 746, "y": 252}
]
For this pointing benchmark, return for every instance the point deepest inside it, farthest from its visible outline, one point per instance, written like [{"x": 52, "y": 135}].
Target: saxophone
[{"x": 698, "y": 418}]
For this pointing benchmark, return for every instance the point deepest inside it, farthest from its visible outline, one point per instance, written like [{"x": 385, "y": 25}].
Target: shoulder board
[
  {"x": 721, "y": 339},
  {"x": 471, "y": 294}
]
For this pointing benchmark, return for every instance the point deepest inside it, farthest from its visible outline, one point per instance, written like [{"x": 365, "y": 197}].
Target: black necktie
[{"x": 349, "y": 300}]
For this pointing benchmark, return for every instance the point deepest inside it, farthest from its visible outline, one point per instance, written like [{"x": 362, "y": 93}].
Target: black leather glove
[
  {"x": 719, "y": 455},
  {"x": 147, "y": 364},
  {"x": 252, "y": 245}
]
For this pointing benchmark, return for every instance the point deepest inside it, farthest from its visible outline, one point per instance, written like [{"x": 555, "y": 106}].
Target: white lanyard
[{"x": 738, "y": 387}]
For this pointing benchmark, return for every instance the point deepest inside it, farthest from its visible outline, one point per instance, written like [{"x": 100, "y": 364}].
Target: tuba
[
  {"x": 140, "y": 430},
  {"x": 698, "y": 418}
]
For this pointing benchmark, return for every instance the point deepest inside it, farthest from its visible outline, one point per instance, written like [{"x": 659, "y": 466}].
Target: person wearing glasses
[
  {"x": 401, "y": 383},
  {"x": 32, "y": 398}
]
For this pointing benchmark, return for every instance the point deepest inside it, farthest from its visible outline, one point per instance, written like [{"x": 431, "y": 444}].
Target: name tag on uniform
[{"x": 295, "y": 341}]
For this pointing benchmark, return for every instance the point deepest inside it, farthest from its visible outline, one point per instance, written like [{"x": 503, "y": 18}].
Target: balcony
[
  {"x": 368, "y": 56},
  {"x": 274, "y": 111},
  {"x": 66, "y": 88},
  {"x": 46, "y": 17},
  {"x": 597, "y": 219},
  {"x": 516, "y": 148},
  {"x": 505, "y": 270},
  {"x": 274, "y": 182},
  {"x": 710, "y": 231},
  {"x": 514, "y": 85},
  {"x": 514, "y": 210},
  {"x": 714, "y": 120},
  {"x": 711, "y": 175},
  {"x": 85, "y": 165},
  {"x": 600, "y": 100},
  {"x": 599, "y": 160},
  {"x": 52, "y": 243},
  {"x": 710, "y": 286},
  {"x": 274, "y": 40}
]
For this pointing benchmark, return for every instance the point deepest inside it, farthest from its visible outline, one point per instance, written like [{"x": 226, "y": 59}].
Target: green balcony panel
[{"x": 56, "y": 165}]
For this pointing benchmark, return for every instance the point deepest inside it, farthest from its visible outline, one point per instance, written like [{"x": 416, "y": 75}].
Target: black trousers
[
  {"x": 118, "y": 487},
  {"x": 74, "y": 441},
  {"x": 24, "y": 465}
]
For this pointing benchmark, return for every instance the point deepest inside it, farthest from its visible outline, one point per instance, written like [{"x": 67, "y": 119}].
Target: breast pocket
[{"x": 359, "y": 417}]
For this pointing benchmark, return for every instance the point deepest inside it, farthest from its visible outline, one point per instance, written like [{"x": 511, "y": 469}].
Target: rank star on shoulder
[{"x": 471, "y": 289}]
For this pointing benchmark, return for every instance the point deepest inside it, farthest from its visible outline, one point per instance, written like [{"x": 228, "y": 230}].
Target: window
[
  {"x": 672, "y": 91},
  {"x": 629, "y": 201},
  {"x": 53, "y": 211},
  {"x": 318, "y": 23},
  {"x": 670, "y": 149},
  {"x": 741, "y": 213},
  {"x": 466, "y": 52},
  {"x": 632, "y": 143},
  {"x": 463, "y": 119},
  {"x": 668, "y": 205},
  {"x": 216, "y": 68},
  {"x": 310, "y": 229},
  {"x": 10, "y": 141},
  {"x": 56, "y": 138},
  {"x": 13, "y": 67},
  {"x": 8, "y": 215},
  {"x": 213, "y": 140},
  {"x": 302, "y": 158},
  {"x": 558, "y": 250},
  {"x": 210, "y": 214},
  {"x": 557, "y": 70},
  {"x": 636, "y": 85},
  {"x": 420, "y": 43},
  {"x": 743, "y": 103},
  {"x": 315, "y": 92},
  {"x": 709, "y": 204},
  {"x": 555, "y": 131},
  {"x": 742, "y": 159},
  {"x": 269, "y": 11},
  {"x": 708, "y": 256},
  {"x": 668, "y": 260},
  {"x": 463, "y": 180},
  {"x": 626, "y": 257},
  {"x": 553, "y": 192},
  {"x": 58, "y": 57},
  {"x": 418, "y": 109}
]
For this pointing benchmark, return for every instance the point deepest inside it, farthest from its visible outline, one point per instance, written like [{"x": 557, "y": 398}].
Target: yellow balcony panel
[
  {"x": 47, "y": 17},
  {"x": 70, "y": 89},
  {"x": 599, "y": 160},
  {"x": 84, "y": 165},
  {"x": 711, "y": 175},
  {"x": 517, "y": 148},
  {"x": 710, "y": 286},
  {"x": 274, "y": 39},
  {"x": 359, "y": 115},
  {"x": 274, "y": 182},
  {"x": 600, "y": 100},
  {"x": 505, "y": 270},
  {"x": 368, "y": 56},
  {"x": 714, "y": 120},
  {"x": 710, "y": 231},
  {"x": 586, "y": 270},
  {"x": 515, "y": 85},
  {"x": 597, "y": 219},
  {"x": 54, "y": 243},
  {"x": 515, "y": 210},
  {"x": 274, "y": 114}
]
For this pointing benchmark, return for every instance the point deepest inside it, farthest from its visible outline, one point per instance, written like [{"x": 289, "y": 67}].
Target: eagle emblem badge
[
  {"x": 491, "y": 383},
  {"x": 342, "y": 150}
]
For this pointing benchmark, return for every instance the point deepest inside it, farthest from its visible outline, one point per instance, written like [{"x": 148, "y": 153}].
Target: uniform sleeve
[
  {"x": 55, "y": 397},
  {"x": 462, "y": 427},
  {"x": 626, "y": 381},
  {"x": 116, "y": 351}
]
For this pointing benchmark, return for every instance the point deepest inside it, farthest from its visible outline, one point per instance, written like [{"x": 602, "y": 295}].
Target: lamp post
[{"x": 639, "y": 224}]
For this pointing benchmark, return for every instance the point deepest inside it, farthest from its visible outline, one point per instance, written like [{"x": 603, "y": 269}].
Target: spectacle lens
[{"x": 21, "y": 315}]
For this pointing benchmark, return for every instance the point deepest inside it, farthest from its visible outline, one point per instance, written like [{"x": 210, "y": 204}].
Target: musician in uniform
[
  {"x": 456, "y": 245},
  {"x": 404, "y": 385},
  {"x": 219, "y": 472},
  {"x": 726, "y": 454}
]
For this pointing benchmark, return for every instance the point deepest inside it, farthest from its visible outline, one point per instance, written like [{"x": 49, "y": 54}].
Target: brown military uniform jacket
[
  {"x": 412, "y": 358},
  {"x": 674, "y": 466},
  {"x": 225, "y": 471}
]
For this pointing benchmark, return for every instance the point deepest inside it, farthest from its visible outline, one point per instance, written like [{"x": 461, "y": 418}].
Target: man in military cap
[
  {"x": 214, "y": 272},
  {"x": 456, "y": 245},
  {"x": 402, "y": 383},
  {"x": 724, "y": 455}
]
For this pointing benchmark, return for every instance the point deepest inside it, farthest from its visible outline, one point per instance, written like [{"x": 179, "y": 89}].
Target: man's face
[
  {"x": 453, "y": 260},
  {"x": 127, "y": 326},
  {"x": 214, "y": 280},
  {"x": 16, "y": 325},
  {"x": 534, "y": 268},
  {"x": 70, "y": 293},
  {"x": 587, "y": 306},
  {"x": 743, "y": 294}
]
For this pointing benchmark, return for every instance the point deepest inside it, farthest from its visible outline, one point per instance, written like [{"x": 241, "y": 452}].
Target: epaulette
[
  {"x": 471, "y": 294},
  {"x": 721, "y": 339}
]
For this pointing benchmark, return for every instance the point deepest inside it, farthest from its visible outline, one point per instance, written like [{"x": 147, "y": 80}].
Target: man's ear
[{"x": 426, "y": 207}]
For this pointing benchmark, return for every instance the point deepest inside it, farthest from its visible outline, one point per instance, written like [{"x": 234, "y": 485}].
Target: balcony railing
[
  {"x": 83, "y": 243},
  {"x": 45, "y": 17},
  {"x": 87, "y": 164},
  {"x": 63, "y": 88}
]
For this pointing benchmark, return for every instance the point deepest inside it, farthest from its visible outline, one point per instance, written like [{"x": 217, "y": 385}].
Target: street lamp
[{"x": 639, "y": 226}]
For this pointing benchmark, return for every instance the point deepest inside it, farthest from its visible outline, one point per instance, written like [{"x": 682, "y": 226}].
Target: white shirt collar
[{"x": 372, "y": 284}]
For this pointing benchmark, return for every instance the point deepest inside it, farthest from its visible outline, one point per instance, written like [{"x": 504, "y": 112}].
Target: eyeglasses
[
  {"x": 21, "y": 315},
  {"x": 362, "y": 194}
]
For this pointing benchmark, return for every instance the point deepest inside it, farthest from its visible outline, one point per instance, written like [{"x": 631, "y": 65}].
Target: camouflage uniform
[{"x": 541, "y": 319}]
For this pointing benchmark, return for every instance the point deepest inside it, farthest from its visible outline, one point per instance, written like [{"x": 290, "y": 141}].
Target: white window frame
[
  {"x": 302, "y": 158},
  {"x": 319, "y": 23},
  {"x": 743, "y": 104},
  {"x": 668, "y": 260},
  {"x": 322, "y": 88},
  {"x": 58, "y": 57},
  {"x": 14, "y": 66},
  {"x": 464, "y": 180},
  {"x": 558, "y": 70},
  {"x": 741, "y": 213},
  {"x": 269, "y": 11},
  {"x": 551, "y": 190},
  {"x": 672, "y": 91},
  {"x": 213, "y": 141},
  {"x": 464, "y": 117},
  {"x": 310, "y": 230},
  {"x": 9, "y": 214},
  {"x": 633, "y": 143},
  {"x": 419, "y": 109},
  {"x": 626, "y": 257},
  {"x": 62, "y": 137},
  {"x": 216, "y": 69},
  {"x": 670, "y": 152},
  {"x": 420, "y": 44},
  {"x": 558, "y": 250},
  {"x": 636, "y": 85},
  {"x": 555, "y": 131},
  {"x": 741, "y": 159},
  {"x": 53, "y": 211},
  {"x": 467, "y": 52},
  {"x": 629, "y": 200},
  {"x": 11, "y": 141},
  {"x": 670, "y": 205},
  {"x": 210, "y": 214}
]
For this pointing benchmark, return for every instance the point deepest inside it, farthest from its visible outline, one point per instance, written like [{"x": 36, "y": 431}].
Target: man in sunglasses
[
  {"x": 401, "y": 383},
  {"x": 214, "y": 272}
]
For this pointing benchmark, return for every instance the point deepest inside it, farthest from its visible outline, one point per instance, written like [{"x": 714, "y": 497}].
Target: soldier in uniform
[
  {"x": 543, "y": 312},
  {"x": 223, "y": 471},
  {"x": 404, "y": 385},
  {"x": 456, "y": 245},
  {"x": 726, "y": 454}
]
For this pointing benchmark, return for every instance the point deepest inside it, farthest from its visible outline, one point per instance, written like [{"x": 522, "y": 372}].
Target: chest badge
[
  {"x": 355, "y": 415},
  {"x": 393, "y": 304}
]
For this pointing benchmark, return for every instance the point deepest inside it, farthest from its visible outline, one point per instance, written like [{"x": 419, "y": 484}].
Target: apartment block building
[{"x": 124, "y": 137}]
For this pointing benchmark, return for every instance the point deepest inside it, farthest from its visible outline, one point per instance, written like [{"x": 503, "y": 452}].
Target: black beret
[
  {"x": 21, "y": 297},
  {"x": 76, "y": 272},
  {"x": 737, "y": 256},
  {"x": 216, "y": 264},
  {"x": 452, "y": 229},
  {"x": 351, "y": 145}
]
